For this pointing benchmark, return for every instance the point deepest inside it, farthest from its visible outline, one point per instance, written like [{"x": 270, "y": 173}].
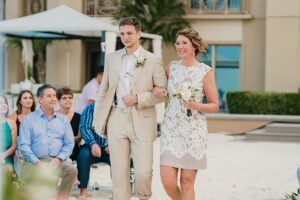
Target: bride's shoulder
[{"x": 174, "y": 62}]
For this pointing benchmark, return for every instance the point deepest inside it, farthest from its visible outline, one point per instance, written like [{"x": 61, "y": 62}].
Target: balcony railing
[
  {"x": 100, "y": 8},
  {"x": 222, "y": 7},
  {"x": 106, "y": 8}
]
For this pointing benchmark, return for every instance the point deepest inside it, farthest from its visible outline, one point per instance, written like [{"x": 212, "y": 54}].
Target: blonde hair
[{"x": 196, "y": 40}]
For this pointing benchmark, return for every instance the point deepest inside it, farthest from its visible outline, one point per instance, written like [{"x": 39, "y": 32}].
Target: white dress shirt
[{"x": 127, "y": 70}]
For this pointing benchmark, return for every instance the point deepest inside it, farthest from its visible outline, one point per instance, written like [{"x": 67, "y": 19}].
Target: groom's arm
[
  {"x": 148, "y": 99},
  {"x": 104, "y": 85}
]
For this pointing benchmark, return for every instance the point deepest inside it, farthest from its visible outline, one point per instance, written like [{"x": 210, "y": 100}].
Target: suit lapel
[
  {"x": 118, "y": 65},
  {"x": 137, "y": 71}
]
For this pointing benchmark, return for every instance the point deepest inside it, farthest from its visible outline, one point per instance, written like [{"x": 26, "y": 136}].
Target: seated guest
[
  {"x": 65, "y": 99},
  {"x": 8, "y": 134},
  {"x": 47, "y": 140},
  {"x": 25, "y": 105},
  {"x": 90, "y": 90},
  {"x": 93, "y": 151}
]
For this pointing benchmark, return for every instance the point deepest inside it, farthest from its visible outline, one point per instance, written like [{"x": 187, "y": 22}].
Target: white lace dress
[{"x": 183, "y": 139}]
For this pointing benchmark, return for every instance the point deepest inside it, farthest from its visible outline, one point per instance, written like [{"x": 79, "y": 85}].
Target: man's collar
[
  {"x": 136, "y": 53},
  {"x": 41, "y": 113}
]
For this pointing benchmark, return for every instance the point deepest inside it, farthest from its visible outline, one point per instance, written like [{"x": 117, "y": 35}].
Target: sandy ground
[{"x": 238, "y": 169}]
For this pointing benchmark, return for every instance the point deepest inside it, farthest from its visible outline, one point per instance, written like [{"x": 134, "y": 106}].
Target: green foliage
[
  {"x": 14, "y": 42},
  {"x": 37, "y": 44},
  {"x": 163, "y": 17},
  {"x": 14, "y": 189},
  {"x": 292, "y": 196},
  {"x": 38, "y": 183},
  {"x": 244, "y": 102}
]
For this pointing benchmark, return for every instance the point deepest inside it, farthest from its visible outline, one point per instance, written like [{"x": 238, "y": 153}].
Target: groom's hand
[
  {"x": 130, "y": 100},
  {"x": 96, "y": 151},
  {"x": 159, "y": 92}
]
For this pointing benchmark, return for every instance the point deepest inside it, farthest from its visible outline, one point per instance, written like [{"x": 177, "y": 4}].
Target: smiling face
[
  {"x": 65, "y": 101},
  {"x": 184, "y": 47},
  {"x": 48, "y": 100},
  {"x": 130, "y": 36},
  {"x": 26, "y": 100},
  {"x": 3, "y": 106}
]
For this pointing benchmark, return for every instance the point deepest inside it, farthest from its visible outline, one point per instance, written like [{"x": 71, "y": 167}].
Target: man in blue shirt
[
  {"x": 46, "y": 141},
  {"x": 93, "y": 151}
]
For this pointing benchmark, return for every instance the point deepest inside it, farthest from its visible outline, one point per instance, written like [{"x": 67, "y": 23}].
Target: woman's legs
[
  {"x": 169, "y": 180},
  {"x": 187, "y": 181}
]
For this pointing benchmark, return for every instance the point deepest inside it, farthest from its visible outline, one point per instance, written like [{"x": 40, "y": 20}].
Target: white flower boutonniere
[{"x": 140, "y": 62}]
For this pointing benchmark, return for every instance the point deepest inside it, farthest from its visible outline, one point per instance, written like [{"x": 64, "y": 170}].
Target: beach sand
[{"x": 238, "y": 169}]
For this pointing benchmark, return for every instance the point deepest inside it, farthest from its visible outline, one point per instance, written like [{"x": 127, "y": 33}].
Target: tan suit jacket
[{"x": 143, "y": 80}]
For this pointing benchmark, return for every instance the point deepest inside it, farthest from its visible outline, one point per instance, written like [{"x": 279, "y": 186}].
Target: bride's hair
[{"x": 196, "y": 40}]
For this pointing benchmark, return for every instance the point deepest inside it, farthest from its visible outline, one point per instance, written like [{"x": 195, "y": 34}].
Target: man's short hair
[
  {"x": 131, "y": 21},
  {"x": 40, "y": 91},
  {"x": 98, "y": 70}
]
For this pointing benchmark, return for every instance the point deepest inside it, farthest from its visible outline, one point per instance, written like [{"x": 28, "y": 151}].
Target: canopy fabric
[
  {"x": 58, "y": 19},
  {"x": 61, "y": 20}
]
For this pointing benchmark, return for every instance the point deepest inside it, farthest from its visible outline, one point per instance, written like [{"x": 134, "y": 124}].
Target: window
[
  {"x": 98, "y": 8},
  {"x": 34, "y": 6},
  {"x": 226, "y": 62},
  {"x": 217, "y": 6}
]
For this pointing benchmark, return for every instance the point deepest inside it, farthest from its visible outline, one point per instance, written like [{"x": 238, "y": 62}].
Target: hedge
[{"x": 244, "y": 102}]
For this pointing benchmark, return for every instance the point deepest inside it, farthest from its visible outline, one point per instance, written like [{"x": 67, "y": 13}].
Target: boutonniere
[{"x": 140, "y": 62}]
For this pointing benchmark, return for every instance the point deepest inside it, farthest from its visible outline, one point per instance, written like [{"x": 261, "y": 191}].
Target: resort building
[{"x": 252, "y": 44}]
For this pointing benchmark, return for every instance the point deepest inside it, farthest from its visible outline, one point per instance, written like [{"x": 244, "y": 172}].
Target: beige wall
[
  {"x": 13, "y": 9},
  {"x": 13, "y": 67},
  {"x": 253, "y": 48},
  {"x": 219, "y": 31},
  {"x": 282, "y": 46},
  {"x": 64, "y": 64},
  {"x": 75, "y": 4},
  {"x": 66, "y": 59},
  {"x": 14, "y": 71}
]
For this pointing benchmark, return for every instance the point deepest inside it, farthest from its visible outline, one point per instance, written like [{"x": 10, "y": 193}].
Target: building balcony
[
  {"x": 217, "y": 9},
  {"x": 211, "y": 9}
]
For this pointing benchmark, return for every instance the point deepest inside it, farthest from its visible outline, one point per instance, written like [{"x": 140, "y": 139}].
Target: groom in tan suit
[{"x": 126, "y": 107}]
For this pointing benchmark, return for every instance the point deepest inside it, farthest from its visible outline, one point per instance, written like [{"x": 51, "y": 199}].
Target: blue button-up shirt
[
  {"x": 86, "y": 128},
  {"x": 41, "y": 137}
]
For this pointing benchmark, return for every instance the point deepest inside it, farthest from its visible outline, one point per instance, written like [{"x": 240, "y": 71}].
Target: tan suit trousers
[{"x": 123, "y": 143}]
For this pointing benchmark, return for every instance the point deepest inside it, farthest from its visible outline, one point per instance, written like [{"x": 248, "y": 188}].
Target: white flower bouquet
[{"x": 187, "y": 92}]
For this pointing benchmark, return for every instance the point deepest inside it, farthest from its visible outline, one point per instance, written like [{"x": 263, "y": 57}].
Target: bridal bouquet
[{"x": 187, "y": 92}]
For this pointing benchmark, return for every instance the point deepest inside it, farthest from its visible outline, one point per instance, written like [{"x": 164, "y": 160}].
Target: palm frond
[{"x": 163, "y": 17}]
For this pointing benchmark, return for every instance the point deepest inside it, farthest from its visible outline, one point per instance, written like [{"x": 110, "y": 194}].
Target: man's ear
[
  {"x": 139, "y": 33},
  {"x": 39, "y": 99}
]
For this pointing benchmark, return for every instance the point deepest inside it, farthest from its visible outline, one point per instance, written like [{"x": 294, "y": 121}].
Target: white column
[
  {"x": 2, "y": 76},
  {"x": 157, "y": 46},
  {"x": 110, "y": 42},
  {"x": 2, "y": 62},
  {"x": 160, "y": 108}
]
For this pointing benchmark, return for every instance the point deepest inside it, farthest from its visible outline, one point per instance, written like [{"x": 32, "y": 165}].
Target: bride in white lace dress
[{"x": 183, "y": 134}]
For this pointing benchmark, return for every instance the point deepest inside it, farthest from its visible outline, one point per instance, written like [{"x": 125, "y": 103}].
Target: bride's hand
[
  {"x": 192, "y": 105},
  {"x": 159, "y": 92}
]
